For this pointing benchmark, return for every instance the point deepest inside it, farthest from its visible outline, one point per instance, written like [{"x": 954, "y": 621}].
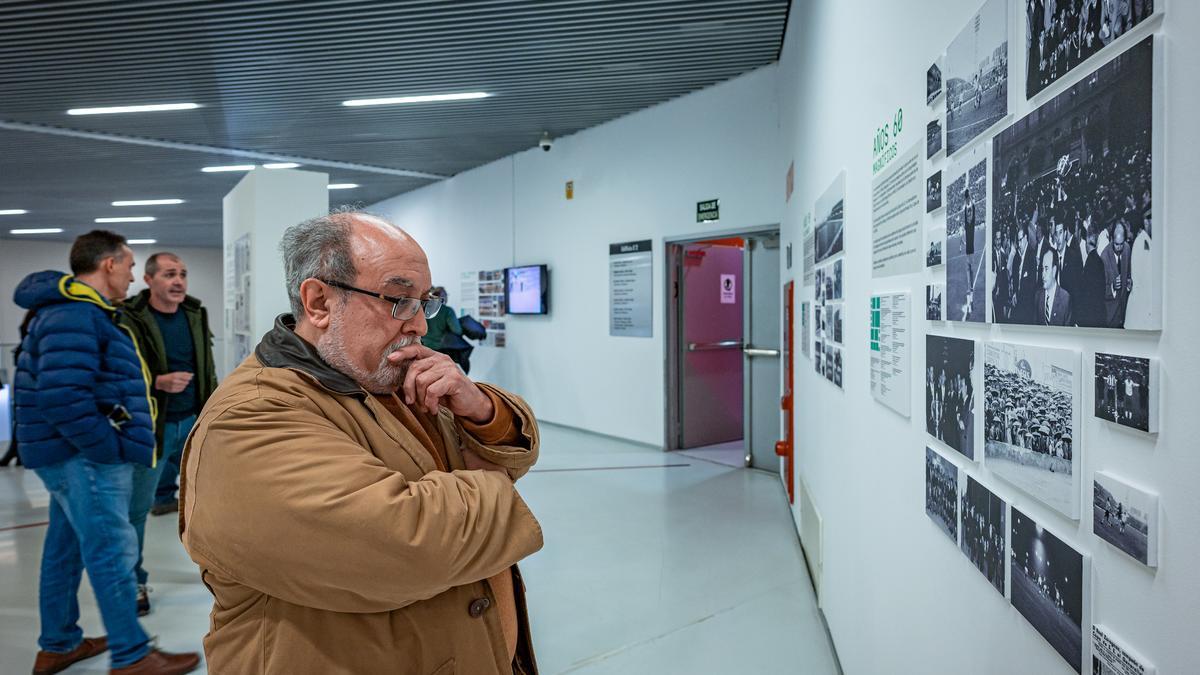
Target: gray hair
[
  {"x": 152, "y": 262},
  {"x": 318, "y": 248}
]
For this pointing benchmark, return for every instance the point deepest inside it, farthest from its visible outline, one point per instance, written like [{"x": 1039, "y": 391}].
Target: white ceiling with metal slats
[{"x": 270, "y": 77}]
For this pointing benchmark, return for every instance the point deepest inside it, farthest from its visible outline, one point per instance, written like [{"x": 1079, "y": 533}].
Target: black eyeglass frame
[{"x": 431, "y": 305}]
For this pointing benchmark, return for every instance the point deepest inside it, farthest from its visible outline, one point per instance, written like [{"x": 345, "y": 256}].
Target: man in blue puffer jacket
[{"x": 84, "y": 417}]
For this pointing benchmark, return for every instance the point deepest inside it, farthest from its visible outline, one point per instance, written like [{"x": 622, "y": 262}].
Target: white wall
[
  {"x": 899, "y": 597},
  {"x": 21, "y": 257},
  {"x": 638, "y": 177}
]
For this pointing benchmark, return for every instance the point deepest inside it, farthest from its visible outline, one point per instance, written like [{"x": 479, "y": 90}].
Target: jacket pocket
[{"x": 446, "y": 668}]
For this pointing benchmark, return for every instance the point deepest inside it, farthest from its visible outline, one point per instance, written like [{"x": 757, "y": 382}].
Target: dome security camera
[{"x": 546, "y": 143}]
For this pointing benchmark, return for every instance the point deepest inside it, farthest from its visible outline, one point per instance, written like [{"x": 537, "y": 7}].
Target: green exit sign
[{"x": 708, "y": 211}]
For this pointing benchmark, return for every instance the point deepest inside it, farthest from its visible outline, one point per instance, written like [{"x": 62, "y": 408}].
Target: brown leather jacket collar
[{"x": 282, "y": 348}]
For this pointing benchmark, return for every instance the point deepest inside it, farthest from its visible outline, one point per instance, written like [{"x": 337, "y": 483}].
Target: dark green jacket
[{"x": 136, "y": 315}]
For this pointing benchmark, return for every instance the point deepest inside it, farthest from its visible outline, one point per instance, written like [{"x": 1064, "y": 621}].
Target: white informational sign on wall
[
  {"x": 890, "y": 352},
  {"x": 728, "y": 289},
  {"x": 630, "y": 289},
  {"x": 897, "y": 208},
  {"x": 1109, "y": 657}
]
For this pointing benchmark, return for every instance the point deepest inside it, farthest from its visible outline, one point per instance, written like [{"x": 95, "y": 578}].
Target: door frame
[{"x": 672, "y": 267}]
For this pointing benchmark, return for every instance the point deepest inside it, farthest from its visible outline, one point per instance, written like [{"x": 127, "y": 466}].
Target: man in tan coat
[{"x": 348, "y": 493}]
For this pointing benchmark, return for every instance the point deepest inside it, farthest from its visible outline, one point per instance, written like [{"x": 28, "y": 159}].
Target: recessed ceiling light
[
  {"x": 133, "y": 108},
  {"x": 127, "y": 219},
  {"x": 231, "y": 167},
  {"x": 38, "y": 230},
  {"x": 281, "y": 165},
  {"x": 342, "y": 186},
  {"x": 416, "y": 99},
  {"x": 135, "y": 242},
  {"x": 13, "y": 212},
  {"x": 148, "y": 202}
]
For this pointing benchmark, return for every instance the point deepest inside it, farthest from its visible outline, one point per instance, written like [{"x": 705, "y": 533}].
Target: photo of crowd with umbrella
[
  {"x": 1031, "y": 421},
  {"x": 1072, "y": 209}
]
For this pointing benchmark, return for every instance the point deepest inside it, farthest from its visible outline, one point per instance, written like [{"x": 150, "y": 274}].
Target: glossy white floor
[{"x": 653, "y": 564}]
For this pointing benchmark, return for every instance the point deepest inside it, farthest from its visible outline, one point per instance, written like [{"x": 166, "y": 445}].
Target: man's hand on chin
[{"x": 434, "y": 381}]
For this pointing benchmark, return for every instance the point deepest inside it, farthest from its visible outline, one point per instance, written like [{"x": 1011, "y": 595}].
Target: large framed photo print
[
  {"x": 950, "y": 370},
  {"x": 1049, "y": 582},
  {"x": 983, "y": 516},
  {"x": 1073, "y": 208},
  {"x": 1031, "y": 421},
  {"x": 830, "y": 219},
  {"x": 941, "y": 493},
  {"x": 1065, "y": 33},
  {"x": 976, "y": 76},
  {"x": 966, "y": 237}
]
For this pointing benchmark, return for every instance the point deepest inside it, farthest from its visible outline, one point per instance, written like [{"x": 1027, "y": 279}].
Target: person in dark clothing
[
  {"x": 1025, "y": 284},
  {"x": 85, "y": 418},
  {"x": 172, "y": 328},
  {"x": 1089, "y": 309}
]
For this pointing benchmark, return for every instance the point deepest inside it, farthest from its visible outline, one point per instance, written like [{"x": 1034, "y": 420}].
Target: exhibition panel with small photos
[
  {"x": 828, "y": 318},
  {"x": 1046, "y": 218}
]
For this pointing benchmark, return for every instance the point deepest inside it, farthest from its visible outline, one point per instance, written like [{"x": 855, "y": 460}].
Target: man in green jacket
[{"x": 172, "y": 329}]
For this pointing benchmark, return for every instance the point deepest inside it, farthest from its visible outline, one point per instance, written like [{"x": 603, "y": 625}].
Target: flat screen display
[{"x": 526, "y": 289}]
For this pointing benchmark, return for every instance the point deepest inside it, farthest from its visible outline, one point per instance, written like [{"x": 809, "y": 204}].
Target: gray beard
[{"x": 384, "y": 379}]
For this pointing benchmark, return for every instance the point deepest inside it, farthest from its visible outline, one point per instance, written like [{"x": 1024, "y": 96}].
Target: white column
[{"x": 256, "y": 212}]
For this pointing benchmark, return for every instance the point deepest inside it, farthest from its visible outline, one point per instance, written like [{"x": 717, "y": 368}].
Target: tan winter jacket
[{"x": 330, "y": 541}]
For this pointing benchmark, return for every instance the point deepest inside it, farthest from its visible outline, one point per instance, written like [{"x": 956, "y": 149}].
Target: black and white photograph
[
  {"x": 1126, "y": 391},
  {"x": 834, "y": 312},
  {"x": 1031, "y": 421},
  {"x": 1125, "y": 517},
  {"x": 933, "y": 138},
  {"x": 819, "y": 285},
  {"x": 1072, "y": 217},
  {"x": 966, "y": 239},
  {"x": 941, "y": 493},
  {"x": 933, "y": 250},
  {"x": 933, "y": 82},
  {"x": 976, "y": 76},
  {"x": 837, "y": 280},
  {"x": 829, "y": 216},
  {"x": 1064, "y": 33},
  {"x": 933, "y": 192},
  {"x": 934, "y": 309},
  {"x": 950, "y": 392},
  {"x": 983, "y": 516},
  {"x": 1049, "y": 579},
  {"x": 837, "y": 367},
  {"x": 819, "y": 356}
]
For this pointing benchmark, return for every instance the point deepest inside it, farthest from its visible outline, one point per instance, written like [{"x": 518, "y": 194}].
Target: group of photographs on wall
[
  {"x": 1046, "y": 221},
  {"x": 828, "y": 320}
]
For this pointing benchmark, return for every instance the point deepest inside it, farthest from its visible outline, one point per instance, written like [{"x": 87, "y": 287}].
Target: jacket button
[{"x": 478, "y": 607}]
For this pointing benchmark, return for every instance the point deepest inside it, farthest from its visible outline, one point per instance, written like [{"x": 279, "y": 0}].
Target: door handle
[
  {"x": 709, "y": 346},
  {"x": 757, "y": 351}
]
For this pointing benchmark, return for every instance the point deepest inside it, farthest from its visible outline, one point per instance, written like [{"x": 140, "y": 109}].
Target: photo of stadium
[
  {"x": 1049, "y": 578},
  {"x": 976, "y": 76},
  {"x": 830, "y": 219},
  {"x": 1126, "y": 517}
]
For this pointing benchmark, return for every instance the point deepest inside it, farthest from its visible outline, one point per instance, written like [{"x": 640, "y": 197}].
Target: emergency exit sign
[{"x": 707, "y": 211}]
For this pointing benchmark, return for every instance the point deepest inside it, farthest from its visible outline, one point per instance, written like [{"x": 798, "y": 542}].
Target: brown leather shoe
[
  {"x": 161, "y": 663},
  {"x": 52, "y": 662}
]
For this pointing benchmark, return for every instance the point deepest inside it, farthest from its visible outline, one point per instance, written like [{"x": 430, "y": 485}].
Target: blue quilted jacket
[{"x": 81, "y": 385}]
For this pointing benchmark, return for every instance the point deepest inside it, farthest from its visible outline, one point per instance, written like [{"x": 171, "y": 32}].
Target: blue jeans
[
  {"x": 145, "y": 482},
  {"x": 174, "y": 436},
  {"x": 89, "y": 529}
]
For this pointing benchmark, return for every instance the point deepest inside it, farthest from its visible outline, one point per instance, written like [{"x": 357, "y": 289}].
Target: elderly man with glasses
[{"x": 348, "y": 493}]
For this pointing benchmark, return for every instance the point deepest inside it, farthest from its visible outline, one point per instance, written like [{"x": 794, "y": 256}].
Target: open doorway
[{"x": 723, "y": 378}]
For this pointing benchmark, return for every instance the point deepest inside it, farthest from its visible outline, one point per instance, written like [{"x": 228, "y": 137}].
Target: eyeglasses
[{"x": 403, "y": 309}]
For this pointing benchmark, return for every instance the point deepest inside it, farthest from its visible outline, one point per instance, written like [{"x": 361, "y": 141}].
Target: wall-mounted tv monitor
[{"x": 527, "y": 289}]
